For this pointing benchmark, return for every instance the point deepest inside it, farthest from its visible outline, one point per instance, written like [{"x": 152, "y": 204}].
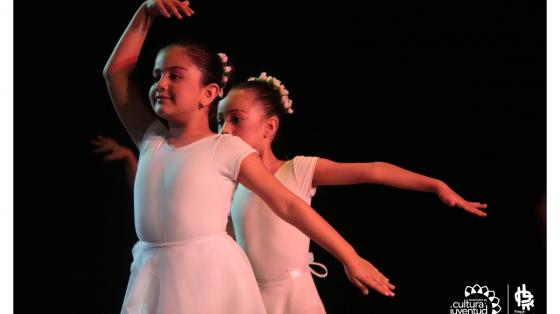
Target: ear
[
  {"x": 271, "y": 127},
  {"x": 209, "y": 93}
]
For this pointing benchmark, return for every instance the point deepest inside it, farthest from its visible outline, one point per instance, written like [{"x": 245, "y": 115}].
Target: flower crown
[
  {"x": 278, "y": 86},
  {"x": 227, "y": 69}
]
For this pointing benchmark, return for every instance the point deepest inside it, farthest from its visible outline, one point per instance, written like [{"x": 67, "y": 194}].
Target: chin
[{"x": 160, "y": 111}]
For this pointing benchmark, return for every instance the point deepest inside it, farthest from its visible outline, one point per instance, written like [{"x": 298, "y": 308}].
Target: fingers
[
  {"x": 478, "y": 205},
  {"x": 471, "y": 207},
  {"x": 363, "y": 288},
  {"x": 163, "y": 9},
  {"x": 175, "y": 8},
  {"x": 377, "y": 283},
  {"x": 102, "y": 145},
  {"x": 111, "y": 157},
  {"x": 477, "y": 212},
  {"x": 474, "y": 208},
  {"x": 186, "y": 10},
  {"x": 384, "y": 284},
  {"x": 386, "y": 281},
  {"x": 172, "y": 7},
  {"x": 97, "y": 140},
  {"x": 184, "y": 7},
  {"x": 364, "y": 276},
  {"x": 373, "y": 279},
  {"x": 102, "y": 149}
]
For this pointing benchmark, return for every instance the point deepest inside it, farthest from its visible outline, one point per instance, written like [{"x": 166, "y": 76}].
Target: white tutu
[
  {"x": 295, "y": 293},
  {"x": 206, "y": 275}
]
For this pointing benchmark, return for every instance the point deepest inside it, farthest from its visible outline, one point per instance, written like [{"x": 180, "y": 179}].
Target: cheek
[
  {"x": 248, "y": 137},
  {"x": 152, "y": 93},
  {"x": 241, "y": 131},
  {"x": 252, "y": 132},
  {"x": 184, "y": 95}
]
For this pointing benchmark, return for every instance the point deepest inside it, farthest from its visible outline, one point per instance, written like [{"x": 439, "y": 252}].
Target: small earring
[{"x": 200, "y": 106}]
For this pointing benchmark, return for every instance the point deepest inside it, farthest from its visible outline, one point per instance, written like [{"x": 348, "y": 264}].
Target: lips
[{"x": 161, "y": 97}]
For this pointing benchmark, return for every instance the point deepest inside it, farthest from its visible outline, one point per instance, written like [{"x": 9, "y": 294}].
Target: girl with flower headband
[
  {"x": 184, "y": 261},
  {"x": 253, "y": 110}
]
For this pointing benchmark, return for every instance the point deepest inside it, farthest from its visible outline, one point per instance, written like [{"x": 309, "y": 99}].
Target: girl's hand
[
  {"x": 112, "y": 150},
  {"x": 168, "y": 8},
  {"x": 363, "y": 275},
  {"x": 450, "y": 198}
]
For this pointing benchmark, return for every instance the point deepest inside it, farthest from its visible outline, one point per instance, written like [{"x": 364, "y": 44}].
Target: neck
[
  {"x": 190, "y": 130},
  {"x": 271, "y": 163}
]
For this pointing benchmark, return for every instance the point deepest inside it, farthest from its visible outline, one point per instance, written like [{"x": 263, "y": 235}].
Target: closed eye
[{"x": 175, "y": 76}]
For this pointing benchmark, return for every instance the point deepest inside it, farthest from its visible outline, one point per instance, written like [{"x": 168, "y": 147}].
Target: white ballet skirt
[
  {"x": 279, "y": 252},
  {"x": 185, "y": 263},
  {"x": 295, "y": 293}
]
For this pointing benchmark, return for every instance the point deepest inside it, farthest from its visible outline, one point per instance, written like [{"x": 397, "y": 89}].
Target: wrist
[
  {"x": 150, "y": 13},
  {"x": 438, "y": 186},
  {"x": 348, "y": 256},
  {"x": 130, "y": 156}
]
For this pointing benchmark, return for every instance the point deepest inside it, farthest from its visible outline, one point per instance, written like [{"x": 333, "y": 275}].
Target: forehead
[
  {"x": 173, "y": 56},
  {"x": 238, "y": 100}
]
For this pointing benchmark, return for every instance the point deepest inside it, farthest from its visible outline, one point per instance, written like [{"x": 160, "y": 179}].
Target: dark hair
[
  {"x": 270, "y": 100},
  {"x": 212, "y": 68}
]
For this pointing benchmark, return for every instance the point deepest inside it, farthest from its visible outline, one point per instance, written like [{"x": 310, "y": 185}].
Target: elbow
[
  {"x": 375, "y": 172},
  {"x": 116, "y": 74},
  {"x": 106, "y": 72},
  {"x": 285, "y": 214},
  {"x": 110, "y": 71},
  {"x": 115, "y": 69},
  {"x": 286, "y": 211}
]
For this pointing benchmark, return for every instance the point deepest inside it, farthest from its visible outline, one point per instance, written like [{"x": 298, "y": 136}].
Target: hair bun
[{"x": 278, "y": 86}]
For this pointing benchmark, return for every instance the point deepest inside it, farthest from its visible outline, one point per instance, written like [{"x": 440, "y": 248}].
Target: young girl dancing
[
  {"x": 263, "y": 235},
  {"x": 184, "y": 261},
  {"x": 279, "y": 253}
]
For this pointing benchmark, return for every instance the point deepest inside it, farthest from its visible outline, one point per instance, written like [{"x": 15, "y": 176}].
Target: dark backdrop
[{"x": 453, "y": 90}]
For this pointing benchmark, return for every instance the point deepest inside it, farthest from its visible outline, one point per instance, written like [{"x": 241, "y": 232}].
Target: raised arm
[
  {"x": 125, "y": 95},
  {"x": 328, "y": 172},
  {"x": 295, "y": 211}
]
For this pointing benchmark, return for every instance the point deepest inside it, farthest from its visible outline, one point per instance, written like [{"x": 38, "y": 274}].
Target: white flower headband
[
  {"x": 227, "y": 71},
  {"x": 277, "y": 85}
]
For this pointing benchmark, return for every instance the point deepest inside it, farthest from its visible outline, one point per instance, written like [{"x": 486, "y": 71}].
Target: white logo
[
  {"x": 524, "y": 298},
  {"x": 476, "y": 289}
]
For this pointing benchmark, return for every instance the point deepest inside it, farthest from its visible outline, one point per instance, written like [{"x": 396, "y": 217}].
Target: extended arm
[
  {"x": 328, "y": 172},
  {"x": 295, "y": 211}
]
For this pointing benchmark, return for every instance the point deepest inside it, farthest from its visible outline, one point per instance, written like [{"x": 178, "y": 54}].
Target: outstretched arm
[
  {"x": 114, "y": 151},
  {"x": 125, "y": 95},
  {"x": 295, "y": 211},
  {"x": 328, "y": 172}
]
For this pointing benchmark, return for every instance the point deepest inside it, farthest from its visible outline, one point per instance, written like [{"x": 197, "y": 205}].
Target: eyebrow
[
  {"x": 176, "y": 67},
  {"x": 233, "y": 110}
]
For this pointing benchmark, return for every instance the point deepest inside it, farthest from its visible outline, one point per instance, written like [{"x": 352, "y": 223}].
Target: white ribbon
[{"x": 294, "y": 273}]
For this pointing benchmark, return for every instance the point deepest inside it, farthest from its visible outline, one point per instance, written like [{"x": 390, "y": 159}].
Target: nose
[
  {"x": 226, "y": 128},
  {"x": 161, "y": 84}
]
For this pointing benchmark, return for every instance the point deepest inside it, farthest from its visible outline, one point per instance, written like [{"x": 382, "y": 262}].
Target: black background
[{"x": 454, "y": 90}]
